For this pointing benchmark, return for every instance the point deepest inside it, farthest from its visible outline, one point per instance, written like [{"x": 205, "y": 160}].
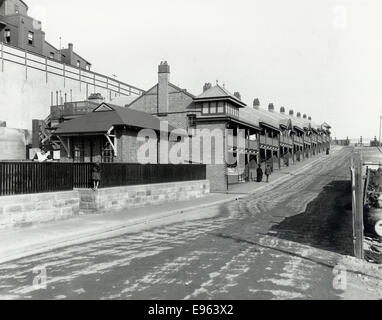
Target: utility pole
[{"x": 380, "y": 128}]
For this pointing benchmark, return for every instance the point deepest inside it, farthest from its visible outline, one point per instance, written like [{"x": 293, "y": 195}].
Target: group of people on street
[{"x": 260, "y": 173}]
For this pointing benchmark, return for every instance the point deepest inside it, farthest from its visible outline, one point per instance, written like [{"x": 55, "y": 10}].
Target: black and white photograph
[{"x": 200, "y": 152}]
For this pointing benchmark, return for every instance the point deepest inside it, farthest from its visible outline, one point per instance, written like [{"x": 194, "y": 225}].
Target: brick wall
[
  {"x": 180, "y": 103},
  {"x": 216, "y": 173},
  {"x": 139, "y": 196},
  {"x": 23, "y": 210}
]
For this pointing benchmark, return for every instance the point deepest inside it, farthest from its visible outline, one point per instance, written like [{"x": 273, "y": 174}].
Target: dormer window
[
  {"x": 212, "y": 108},
  {"x": 30, "y": 38}
]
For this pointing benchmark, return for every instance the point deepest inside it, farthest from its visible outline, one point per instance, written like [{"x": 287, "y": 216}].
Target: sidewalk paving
[{"x": 27, "y": 241}]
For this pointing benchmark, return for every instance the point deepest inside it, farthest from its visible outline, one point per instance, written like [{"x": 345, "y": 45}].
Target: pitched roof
[
  {"x": 218, "y": 92},
  {"x": 268, "y": 118},
  {"x": 155, "y": 87},
  {"x": 247, "y": 115},
  {"x": 106, "y": 116}
]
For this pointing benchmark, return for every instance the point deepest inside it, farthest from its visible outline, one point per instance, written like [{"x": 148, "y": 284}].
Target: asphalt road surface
[{"x": 272, "y": 245}]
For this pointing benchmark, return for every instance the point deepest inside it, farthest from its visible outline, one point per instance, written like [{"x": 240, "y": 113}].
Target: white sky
[{"x": 319, "y": 57}]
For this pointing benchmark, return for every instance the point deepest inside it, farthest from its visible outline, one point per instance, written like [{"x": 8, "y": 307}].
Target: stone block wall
[
  {"x": 129, "y": 197},
  {"x": 21, "y": 210}
]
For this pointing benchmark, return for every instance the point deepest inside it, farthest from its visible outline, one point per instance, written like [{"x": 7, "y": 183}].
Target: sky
[{"x": 318, "y": 57}]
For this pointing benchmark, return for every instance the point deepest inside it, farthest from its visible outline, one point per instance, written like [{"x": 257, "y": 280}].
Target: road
[{"x": 281, "y": 244}]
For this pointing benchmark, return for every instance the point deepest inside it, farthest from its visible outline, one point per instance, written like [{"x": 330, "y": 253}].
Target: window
[
  {"x": 7, "y": 36},
  {"x": 78, "y": 63},
  {"x": 192, "y": 121},
  {"x": 205, "y": 108},
  {"x": 79, "y": 152},
  {"x": 220, "y": 107},
  {"x": 17, "y": 10},
  {"x": 51, "y": 55},
  {"x": 107, "y": 153},
  {"x": 213, "y": 107},
  {"x": 30, "y": 38}
]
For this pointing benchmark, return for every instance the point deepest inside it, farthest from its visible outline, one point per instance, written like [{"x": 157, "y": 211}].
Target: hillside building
[{"x": 19, "y": 30}]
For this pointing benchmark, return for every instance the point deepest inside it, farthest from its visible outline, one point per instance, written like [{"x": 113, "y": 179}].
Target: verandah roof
[{"x": 106, "y": 116}]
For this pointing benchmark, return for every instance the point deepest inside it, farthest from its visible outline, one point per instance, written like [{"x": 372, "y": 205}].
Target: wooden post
[
  {"x": 26, "y": 65},
  {"x": 2, "y": 57},
  {"x": 357, "y": 205},
  {"x": 64, "y": 74},
  {"x": 46, "y": 69}
]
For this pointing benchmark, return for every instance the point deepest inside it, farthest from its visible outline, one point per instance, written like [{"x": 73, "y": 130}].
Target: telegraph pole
[{"x": 380, "y": 128}]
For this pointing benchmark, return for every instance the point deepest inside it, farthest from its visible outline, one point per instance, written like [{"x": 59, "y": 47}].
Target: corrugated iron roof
[
  {"x": 101, "y": 121},
  {"x": 218, "y": 92}
]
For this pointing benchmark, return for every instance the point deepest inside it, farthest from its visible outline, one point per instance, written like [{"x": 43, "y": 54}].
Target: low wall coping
[{"x": 148, "y": 185}]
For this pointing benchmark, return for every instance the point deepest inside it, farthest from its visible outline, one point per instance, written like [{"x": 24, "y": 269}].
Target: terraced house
[{"x": 278, "y": 139}]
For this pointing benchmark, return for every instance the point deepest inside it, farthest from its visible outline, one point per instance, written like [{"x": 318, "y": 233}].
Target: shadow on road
[{"x": 326, "y": 223}]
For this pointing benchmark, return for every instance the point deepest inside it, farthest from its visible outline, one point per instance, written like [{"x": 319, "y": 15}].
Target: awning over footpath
[{"x": 107, "y": 116}]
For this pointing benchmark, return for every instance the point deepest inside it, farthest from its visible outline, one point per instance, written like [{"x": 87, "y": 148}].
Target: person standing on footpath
[
  {"x": 259, "y": 174},
  {"x": 96, "y": 175},
  {"x": 268, "y": 172}
]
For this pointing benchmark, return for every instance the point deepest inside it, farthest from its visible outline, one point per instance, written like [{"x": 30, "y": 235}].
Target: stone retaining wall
[
  {"x": 23, "y": 210},
  {"x": 129, "y": 197}
]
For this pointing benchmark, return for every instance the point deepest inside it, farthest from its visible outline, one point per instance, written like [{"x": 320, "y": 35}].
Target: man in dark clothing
[{"x": 259, "y": 174}]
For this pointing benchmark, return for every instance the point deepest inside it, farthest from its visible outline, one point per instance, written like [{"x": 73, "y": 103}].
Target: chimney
[
  {"x": 282, "y": 110},
  {"x": 291, "y": 113},
  {"x": 304, "y": 116},
  {"x": 207, "y": 86},
  {"x": 271, "y": 107},
  {"x": 256, "y": 103},
  {"x": 310, "y": 118},
  {"x": 163, "y": 81},
  {"x": 237, "y": 95},
  {"x": 96, "y": 97},
  {"x": 298, "y": 114}
]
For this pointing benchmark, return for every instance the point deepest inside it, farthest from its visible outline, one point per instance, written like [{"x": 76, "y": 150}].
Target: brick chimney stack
[
  {"x": 256, "y": 103},
  {"x": 291, "y": 113},
  {"x": 163, "y": 81},
  {"x": 298, "y": 114},
  {"x": 271, "y": 107},
  {"x": 237, "y": 95},
  {"x": 207, "y": 86},
  {"x": 304, "y": 116},
  {"x": 282, "y": 110},
  {"x": 310, "y": 118}
]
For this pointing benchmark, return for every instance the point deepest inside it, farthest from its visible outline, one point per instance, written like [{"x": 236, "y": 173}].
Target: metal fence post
[{"x": 357, "y": 205}]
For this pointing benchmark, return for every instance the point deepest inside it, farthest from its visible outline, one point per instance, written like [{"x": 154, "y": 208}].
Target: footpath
[{"x": 39, "y": 238}]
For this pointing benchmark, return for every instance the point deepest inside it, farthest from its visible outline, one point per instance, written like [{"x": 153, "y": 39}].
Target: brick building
[
  {"x": 107, "y": 134},
  {"x": 19, "y": 30},
  {"x": 267, "y": 137},
  {"x": 273, "y": 138}
]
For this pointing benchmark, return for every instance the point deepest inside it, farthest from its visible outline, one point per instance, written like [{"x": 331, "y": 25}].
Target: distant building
[
  {"x": 375, "y": 143},
  {"x": 341, "y": 142},
  {"x": 20, "y": 30}
]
